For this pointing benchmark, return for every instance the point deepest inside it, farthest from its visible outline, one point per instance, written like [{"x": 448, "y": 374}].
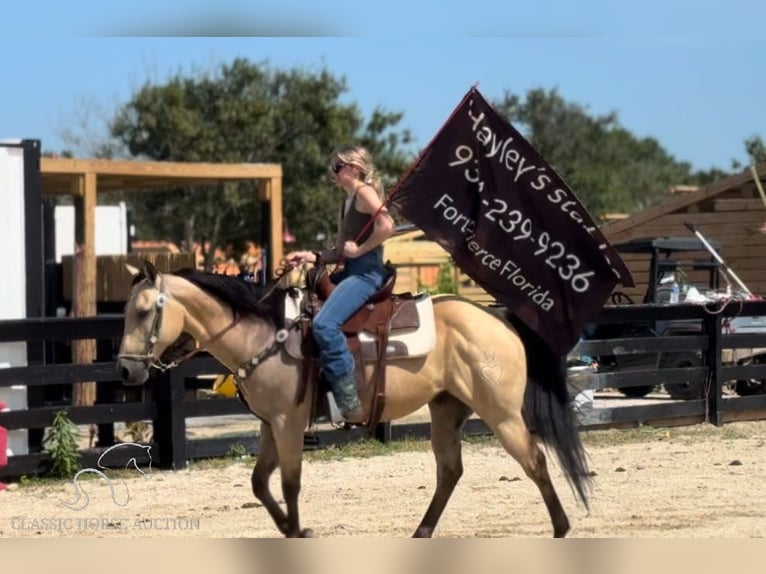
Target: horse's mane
[{"x": 244, "y": 297}]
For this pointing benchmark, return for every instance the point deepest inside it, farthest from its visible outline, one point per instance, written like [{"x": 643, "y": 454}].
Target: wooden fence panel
[{"x": 168, "y": 407}]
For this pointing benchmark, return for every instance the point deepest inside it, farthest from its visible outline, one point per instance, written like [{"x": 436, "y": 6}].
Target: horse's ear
[
  {"x": 150, "y": 271},
  {"x": 132, "y": 270}
]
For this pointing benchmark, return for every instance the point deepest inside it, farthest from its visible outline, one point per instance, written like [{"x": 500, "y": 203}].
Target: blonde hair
[{"x": 361, "y": 158}]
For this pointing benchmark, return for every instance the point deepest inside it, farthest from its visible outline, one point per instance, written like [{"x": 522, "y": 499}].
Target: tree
[
  {"x": 246, "y": 112},
  {"x": 756, "y": 149},
  {"x": 608, "y": 167}
]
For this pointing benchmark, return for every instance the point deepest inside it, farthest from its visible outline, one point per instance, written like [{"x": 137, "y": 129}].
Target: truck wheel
[
  {"x": 637, "y": 392},
  {"x": 684, "y": 391}
]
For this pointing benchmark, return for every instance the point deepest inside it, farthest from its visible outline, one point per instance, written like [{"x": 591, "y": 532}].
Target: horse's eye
[{"x": 142, "y": 313}]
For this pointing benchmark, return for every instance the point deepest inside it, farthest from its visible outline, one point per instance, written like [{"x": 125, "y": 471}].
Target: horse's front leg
[
  {"x": 264, "y": 467},
  {"x": 289, "y": 441}
]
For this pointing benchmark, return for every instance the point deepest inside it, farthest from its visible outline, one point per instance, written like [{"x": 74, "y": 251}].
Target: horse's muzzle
[{"x": 133, "y": 372}]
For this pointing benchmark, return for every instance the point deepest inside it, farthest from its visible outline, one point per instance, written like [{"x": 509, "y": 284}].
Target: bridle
[{"x": 150, "y": 358}]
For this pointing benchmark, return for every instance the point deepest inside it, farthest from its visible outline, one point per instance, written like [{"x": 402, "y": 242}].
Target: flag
[{"x": 483, "y": 193}]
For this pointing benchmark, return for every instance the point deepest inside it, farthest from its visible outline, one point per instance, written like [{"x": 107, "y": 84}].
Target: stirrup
[
  {"x": 356, "y": 416},
  {"x": 336, "y": 416}
]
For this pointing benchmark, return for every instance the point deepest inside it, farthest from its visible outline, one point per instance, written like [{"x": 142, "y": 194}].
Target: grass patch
[
  {"x": 366, "y": 448},
  {"x": 220, "y": 462},
  {"x": 27, "y": 481},
  {"x": 686, "y": 434}
]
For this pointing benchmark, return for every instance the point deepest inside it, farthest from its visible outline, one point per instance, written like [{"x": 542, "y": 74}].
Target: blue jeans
[{"x": 355, "y": 284}]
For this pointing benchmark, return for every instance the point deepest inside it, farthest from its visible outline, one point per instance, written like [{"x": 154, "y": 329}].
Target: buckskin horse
[{"x": 479, "y": 363}]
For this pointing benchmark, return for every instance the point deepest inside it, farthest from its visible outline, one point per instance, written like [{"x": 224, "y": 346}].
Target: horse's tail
[{"x": 547, "y": 409}]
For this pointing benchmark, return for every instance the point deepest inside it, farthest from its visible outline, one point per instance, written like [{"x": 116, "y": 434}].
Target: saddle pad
[{"x": 415, "y": 342}]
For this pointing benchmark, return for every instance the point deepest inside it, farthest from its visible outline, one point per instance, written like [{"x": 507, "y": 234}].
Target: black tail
[{"x": 547, "y": 410}]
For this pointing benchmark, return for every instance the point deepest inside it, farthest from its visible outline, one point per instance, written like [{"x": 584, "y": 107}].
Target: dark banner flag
[{"x": 482, "y": 192}]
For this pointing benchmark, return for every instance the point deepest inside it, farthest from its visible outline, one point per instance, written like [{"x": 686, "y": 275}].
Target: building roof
[
  {"x": 664, "y": 244},
  {"x": 682, "y": 200}
]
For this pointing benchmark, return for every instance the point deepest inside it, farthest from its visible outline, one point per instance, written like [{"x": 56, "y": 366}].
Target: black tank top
[{"x": 353, "y": 222}]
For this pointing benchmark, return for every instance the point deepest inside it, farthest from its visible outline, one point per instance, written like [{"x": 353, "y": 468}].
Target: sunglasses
[{"x": 338, "y": 166}]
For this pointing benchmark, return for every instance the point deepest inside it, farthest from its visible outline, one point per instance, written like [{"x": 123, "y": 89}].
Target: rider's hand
[
  {"x": 351, "y": 249},
  {"x": 299, "y": 257}
]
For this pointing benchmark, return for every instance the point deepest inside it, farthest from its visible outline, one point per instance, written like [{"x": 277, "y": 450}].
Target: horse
[{"x": 480, "y": 363}]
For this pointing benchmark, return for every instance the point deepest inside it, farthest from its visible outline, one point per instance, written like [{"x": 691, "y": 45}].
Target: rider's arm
[{"x": 368, "y": 201}]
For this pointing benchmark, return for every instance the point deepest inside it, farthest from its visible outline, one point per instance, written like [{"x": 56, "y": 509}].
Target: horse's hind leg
[
  {"x": 518, "y": 442},
  {"x": 448, "y": 415},
  {"x": 264, "y": 468}
]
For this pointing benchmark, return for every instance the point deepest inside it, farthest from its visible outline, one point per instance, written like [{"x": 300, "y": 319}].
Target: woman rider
[{"x": 363, "y": 270}]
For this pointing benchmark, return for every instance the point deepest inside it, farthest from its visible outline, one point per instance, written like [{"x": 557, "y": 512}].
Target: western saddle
[{"x": 382, "y": 314}]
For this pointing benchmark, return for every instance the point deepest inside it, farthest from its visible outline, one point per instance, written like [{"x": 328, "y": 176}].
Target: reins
[
  {"x": 279, "y": 273},
  {"x": 149, "y": 356},
  {"x": 154, "y": 334},
  {"x": 198, "y": 348}
]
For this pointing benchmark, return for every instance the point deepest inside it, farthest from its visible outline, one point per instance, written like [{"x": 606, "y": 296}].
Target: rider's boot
[{"x": 347, "y": 399}]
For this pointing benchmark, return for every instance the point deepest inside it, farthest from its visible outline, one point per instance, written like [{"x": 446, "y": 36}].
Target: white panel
[
  {"x": 111, "y": 230},
  {"x": 13, "y": 294},
  {"x": 13, "y": 302}
]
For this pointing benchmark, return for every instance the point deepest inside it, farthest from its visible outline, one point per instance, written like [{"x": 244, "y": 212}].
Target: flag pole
[
  {"x": 421, "y": 155},
  {"x": 758, "y": 185},
  {"x": 387, "y": 197}
]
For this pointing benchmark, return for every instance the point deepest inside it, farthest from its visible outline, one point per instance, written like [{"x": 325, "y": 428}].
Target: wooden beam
[
  {"x": 84, "y": 288},
  {"x": 160, "y": 169},
  {"x": 56, "y": 174},
  {"x": 275, "y": 212},
  {"x": 264, "y": 190},
  {"x": 683, "y": 189},
  {"x": 738, "y": 205}
]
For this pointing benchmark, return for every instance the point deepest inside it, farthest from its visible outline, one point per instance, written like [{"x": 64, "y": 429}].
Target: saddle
[{"x": 387, "y": 326}]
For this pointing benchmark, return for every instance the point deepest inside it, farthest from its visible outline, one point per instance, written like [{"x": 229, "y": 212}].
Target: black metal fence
[
  {"x": 705, "y": 336},
  {"x": 167, "y": 403}
]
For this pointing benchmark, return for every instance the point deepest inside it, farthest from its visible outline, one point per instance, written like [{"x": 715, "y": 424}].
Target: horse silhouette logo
[{"x": 82, "y": 499}]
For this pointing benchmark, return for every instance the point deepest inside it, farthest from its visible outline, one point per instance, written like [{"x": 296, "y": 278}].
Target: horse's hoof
[{"x": 307, "y": 533}]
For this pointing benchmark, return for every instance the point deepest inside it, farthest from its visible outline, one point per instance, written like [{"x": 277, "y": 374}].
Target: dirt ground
[{"x": 691, "y": 482}]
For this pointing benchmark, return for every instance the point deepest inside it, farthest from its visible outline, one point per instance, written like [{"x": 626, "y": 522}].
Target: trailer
[{"x": 672, "y": 262}]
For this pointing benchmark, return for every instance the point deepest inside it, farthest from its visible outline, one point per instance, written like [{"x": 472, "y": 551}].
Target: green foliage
[
  {"x": 60, "y": 442},
  {"x": 244, "y": 111},
  {"x": 446, "y": 280},
  {"x": 248, "y": 112},
  {"x": 756, "y": 149},
  {"x": 237, "y": 451}
]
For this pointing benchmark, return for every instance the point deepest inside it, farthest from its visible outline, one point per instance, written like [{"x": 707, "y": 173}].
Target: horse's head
[{"x": 153, "y": 325}]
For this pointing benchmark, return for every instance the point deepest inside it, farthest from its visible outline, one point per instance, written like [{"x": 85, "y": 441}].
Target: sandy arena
[{"x": 694, "y": 482}]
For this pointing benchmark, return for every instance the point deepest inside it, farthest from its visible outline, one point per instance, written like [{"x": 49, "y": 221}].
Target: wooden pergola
[{"x": 84, "y": 179}]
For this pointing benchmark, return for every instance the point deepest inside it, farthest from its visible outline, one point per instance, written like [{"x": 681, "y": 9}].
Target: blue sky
[{"x": 687, "y": 73}]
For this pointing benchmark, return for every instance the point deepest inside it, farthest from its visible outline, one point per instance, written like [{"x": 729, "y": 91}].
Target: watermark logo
[{"x": 133, "y": 451}]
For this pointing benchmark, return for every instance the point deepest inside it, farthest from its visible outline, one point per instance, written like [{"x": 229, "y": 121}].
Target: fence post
[
  {"x": 170, "y": 424},
  {"x": 713, "y": 326},
  {"x": 382, "y": 432},
  {"x": 105, "y": 395}
]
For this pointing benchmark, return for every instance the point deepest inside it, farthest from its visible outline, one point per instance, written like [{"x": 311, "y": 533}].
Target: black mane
[{"x": 244, "y": 297}]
